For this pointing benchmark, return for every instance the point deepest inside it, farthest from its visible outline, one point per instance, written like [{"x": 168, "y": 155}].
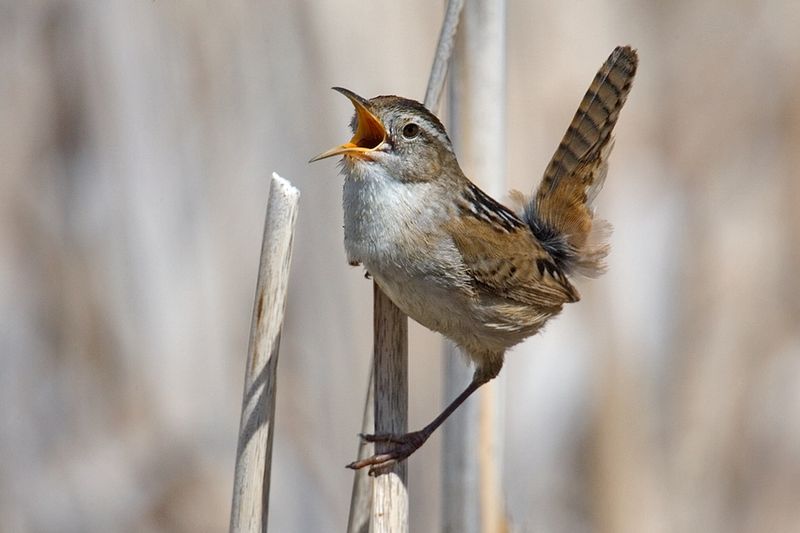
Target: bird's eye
[{"x": 410, "y": 130}]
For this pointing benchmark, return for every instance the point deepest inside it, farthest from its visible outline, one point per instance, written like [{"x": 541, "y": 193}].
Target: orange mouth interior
[{"x": 370, "y": 132}]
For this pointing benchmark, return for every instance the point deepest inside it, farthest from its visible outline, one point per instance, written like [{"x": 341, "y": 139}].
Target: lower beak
[{"x": 370, "y": 132}]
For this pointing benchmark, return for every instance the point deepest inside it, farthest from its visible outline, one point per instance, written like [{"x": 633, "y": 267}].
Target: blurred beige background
[{"x": 137, "y": 138}]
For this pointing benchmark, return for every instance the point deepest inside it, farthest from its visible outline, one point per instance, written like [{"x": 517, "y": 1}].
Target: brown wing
[{"x": 509, "y": 263}]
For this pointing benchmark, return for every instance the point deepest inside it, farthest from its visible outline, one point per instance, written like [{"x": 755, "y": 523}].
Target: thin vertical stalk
[
  {"x": 389, "y": 492},
  {"x": 254, "y": 451},
  {"x": 478, "y": 125},
  {"x": 390, "y": 366},
  {"x": 460, "y": 481},
  {"x": 444, "y": 50},
  {"x": 361, "y": 496}
]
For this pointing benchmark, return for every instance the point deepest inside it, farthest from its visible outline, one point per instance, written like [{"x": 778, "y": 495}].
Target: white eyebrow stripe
[{"x": 440, "y": 136}]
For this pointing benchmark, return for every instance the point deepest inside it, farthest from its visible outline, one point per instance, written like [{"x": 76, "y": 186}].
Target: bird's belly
[
  {"x": 462, "y": 317},
  {"x": 437, "y": 308}
]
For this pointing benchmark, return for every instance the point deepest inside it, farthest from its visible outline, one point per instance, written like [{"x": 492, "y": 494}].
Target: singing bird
[{"x": 457, "y": 261}]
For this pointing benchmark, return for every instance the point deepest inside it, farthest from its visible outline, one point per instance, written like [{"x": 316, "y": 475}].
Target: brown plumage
[{"x": 456, "y": 260}]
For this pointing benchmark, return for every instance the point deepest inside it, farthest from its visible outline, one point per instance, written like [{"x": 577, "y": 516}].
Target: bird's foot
[{"x": 398, "y": 448}]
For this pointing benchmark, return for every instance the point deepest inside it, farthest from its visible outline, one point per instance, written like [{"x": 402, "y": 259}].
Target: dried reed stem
[
  {"x": 256, "y": 429},
  {"x": 473, "y": 439},
  {"x": 361, "y": 498},
  {"x": 389, "y": 491}
]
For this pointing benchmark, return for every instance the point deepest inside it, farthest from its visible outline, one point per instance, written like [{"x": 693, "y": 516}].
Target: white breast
[
  {"x": 382, "y": 216},
  {"x": 395, "y": 230}
]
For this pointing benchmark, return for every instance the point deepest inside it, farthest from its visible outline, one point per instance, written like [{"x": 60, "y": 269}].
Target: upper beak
[{"x": 370, "y": 132}]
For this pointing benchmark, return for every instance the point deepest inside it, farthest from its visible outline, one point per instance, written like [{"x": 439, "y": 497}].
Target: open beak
[{"x": 370, "y": 132}]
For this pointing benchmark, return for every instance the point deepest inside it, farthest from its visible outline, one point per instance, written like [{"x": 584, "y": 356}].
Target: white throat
[{"x": 382, "y": 214}]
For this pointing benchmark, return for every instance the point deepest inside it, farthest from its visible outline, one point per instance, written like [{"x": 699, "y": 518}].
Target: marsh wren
[{"x": 454, "y": 259}]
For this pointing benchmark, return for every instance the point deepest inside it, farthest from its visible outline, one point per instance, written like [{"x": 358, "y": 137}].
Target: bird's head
[{"x": 399, "y": 135}]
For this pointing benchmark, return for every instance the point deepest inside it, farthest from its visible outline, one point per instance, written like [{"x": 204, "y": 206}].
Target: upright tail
[{"x": 561, "y": 213}]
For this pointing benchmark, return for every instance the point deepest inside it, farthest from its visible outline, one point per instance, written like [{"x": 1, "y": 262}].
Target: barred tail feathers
[{"x": 561, "y": 212}]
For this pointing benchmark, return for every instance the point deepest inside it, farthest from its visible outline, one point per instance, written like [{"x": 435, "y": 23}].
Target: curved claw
[
  {"x": 400, "y": 447},
  {"x": 376, "y": 462}
]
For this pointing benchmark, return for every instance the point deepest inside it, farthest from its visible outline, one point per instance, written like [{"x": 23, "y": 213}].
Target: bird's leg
[{"x": 404, "y": 445}]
